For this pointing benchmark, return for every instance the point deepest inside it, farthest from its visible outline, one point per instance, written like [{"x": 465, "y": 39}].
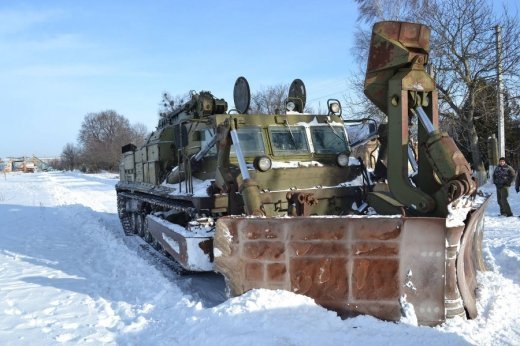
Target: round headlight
[
  {"x": 335, "y": 108},
  {"x": 290, "y": 106},
  {"x": 262, "y": 163},
  {"x": 342, "y": 160}
]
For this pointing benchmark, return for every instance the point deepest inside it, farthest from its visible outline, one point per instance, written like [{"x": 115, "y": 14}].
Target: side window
[
  {"x": 251, "y": 141},
  {"x": 328, "y": 139}
]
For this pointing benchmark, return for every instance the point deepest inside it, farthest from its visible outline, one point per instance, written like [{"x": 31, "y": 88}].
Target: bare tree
[
  {"x": 169, "y": 103},
  {"x": 462, "y": 50},
  {"x": 269, "y": 100},
  {"x": 70, "y": 156},
  {"x": 405, "y": 10},
  {"x": 103, "y": 134},
  {"x": 57, "y": 164},
  {"x": 464, "y": 53},
  {"x": 139, "y": 134}
]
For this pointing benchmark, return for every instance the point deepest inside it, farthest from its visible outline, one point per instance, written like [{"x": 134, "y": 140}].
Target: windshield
[
  {"x": 288, "y": 140},
  {"x": 328, "y": 139},
  {"x": 251, "y": 141}
]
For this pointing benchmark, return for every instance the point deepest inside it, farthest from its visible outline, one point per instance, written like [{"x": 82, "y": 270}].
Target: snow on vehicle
[{"x": 276, "y": 201}]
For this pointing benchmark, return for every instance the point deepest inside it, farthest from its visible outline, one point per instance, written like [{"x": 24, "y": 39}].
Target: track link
[{"x": 124, "y": 216}]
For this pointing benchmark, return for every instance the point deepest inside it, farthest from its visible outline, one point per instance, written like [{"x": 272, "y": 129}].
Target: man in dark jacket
[
  {"x": 517, "y": 180},
  {"x": 503, "y": 177}
]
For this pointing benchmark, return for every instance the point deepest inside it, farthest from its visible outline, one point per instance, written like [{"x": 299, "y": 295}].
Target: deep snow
[{"x": 69, "y": 275}]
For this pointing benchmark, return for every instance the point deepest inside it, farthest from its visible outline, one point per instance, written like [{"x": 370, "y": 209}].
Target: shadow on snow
[{"x": 78, "y": 241}]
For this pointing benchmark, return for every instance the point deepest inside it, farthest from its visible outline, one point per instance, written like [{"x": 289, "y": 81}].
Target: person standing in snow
[
  {"x": 502, "y": 178},
  {"x": 517, "y": 180}
]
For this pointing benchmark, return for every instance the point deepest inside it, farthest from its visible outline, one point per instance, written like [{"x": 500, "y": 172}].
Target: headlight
[
  {"x": 262, "y": 163},
  {"x": 342, "y": 160},
  {"x": 335, "y": 108},
  {"x": 290, "y": 106}
]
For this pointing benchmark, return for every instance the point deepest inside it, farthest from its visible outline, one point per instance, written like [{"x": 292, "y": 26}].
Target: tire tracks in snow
[
  {"x": 98, "y": 227},
  {"x": 208, "y": 288}
]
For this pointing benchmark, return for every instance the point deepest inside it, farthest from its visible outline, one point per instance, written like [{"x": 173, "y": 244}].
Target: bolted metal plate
[
  {"x": 241, "y": 95},
  {"x": 351, "y": 265}
]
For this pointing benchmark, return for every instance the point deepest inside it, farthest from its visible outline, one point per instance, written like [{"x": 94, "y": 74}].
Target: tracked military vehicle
[
  {"x": 277, "y": 201},
  {"x": 202, "y": 163}
]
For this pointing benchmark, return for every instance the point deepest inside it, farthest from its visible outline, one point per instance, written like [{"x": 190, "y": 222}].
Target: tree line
[{"x": 100, "y": 139}]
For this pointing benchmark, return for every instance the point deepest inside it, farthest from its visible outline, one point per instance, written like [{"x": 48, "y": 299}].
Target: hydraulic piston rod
[
  {"x": 425, "y": 121},
  {"x": 240, "y": 155}
]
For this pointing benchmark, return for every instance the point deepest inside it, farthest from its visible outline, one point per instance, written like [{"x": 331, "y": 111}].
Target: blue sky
[{"x": 63, "y": 59}]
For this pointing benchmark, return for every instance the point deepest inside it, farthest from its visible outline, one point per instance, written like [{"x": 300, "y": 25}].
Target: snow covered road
[
  {"x": 66, "y": 273},
  {"x": 69, "y": 275}
]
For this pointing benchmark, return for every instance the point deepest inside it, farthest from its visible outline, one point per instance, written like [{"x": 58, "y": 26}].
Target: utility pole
[{"x": 500, "y": 99}]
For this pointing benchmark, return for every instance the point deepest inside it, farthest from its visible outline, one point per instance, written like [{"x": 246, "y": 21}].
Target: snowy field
[{"x": 68, "y": 275}]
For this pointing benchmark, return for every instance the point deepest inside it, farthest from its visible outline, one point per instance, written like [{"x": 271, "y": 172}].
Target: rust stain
[
  {"x": 376, "y": 249},
  {"x": 380, "y": 55},
  {"x": 207, "y": 246},
  {"x": 254, "y": 271},
  {"x": 375, "y": 279},
  {"x": 264, "y": 250},
  {"x": 302, "y": 282},
  {"x": 276, "y": 271}
]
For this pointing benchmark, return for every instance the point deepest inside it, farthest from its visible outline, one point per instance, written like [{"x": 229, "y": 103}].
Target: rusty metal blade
[
  {"x": 470, "y": 259},
  {"x": 351, "y": 264}
]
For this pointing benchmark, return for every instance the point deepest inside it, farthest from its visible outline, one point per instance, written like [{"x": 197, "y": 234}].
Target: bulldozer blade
[{"x": 357, "y": 264}]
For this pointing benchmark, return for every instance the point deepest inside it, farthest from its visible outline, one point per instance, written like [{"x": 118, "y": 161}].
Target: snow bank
[{"x": 68, "y": 275}]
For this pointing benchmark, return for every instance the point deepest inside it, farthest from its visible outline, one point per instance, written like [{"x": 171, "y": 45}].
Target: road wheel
[
  {"x": 142, "y": 225},
  {"x": 148, "y": 236}
]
